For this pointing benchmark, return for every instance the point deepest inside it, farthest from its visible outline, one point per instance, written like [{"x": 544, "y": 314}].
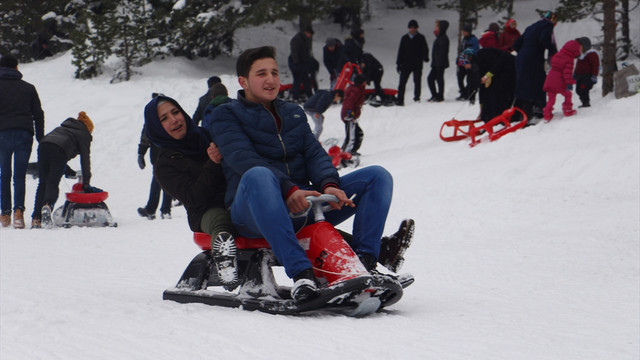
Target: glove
[
  {"x": 350, "y": 116},
  {"x": 594, "y": 79},
  {"x": 141, "y": 162},
  {"x": 570, "y": 87},
  {"x": 91, "y": 189},
  {"x": 489, "y": 77}
]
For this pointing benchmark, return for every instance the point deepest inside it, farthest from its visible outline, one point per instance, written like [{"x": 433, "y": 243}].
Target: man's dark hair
[
  {"x": 8, "y": 61},
  {"x": 249, "y": 56}
]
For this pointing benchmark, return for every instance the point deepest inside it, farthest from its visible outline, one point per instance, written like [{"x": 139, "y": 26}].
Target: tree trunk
[
  {"x": 624, "y": 22},
  {"x": 609, "y": 46}
]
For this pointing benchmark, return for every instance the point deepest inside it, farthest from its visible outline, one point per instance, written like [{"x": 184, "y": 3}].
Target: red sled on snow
[
  {"x": 346, "y": 286},
  {"x": 84, "y": 209},
  {"x": 495, "y": 128}
]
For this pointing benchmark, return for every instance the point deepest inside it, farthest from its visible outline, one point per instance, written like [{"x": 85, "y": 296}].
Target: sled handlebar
[{"x": 319, "y": 206}]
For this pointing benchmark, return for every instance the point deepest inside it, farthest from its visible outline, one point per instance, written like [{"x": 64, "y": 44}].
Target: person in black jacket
[
  {"x": 205, "y": 99},
  {"x": 188, "y": 167},
  {"x": 331, "y": 56},
  {"x": 413, "y": 51},
  {"x": 302, "y": 64},
  {"x": 20, "y": 114},
  {"x": 439, "y": 61},
  {"x": 352, "y": 50},
  {"x": 62, "y": 144},
  {"x": 373, "y": 71}
]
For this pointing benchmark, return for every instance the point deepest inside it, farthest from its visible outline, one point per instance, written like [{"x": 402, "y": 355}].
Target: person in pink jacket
[{"x": 560, "y": 79}]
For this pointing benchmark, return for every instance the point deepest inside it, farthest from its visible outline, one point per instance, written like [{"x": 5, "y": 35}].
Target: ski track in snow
[{"x": 525, "y": 248}]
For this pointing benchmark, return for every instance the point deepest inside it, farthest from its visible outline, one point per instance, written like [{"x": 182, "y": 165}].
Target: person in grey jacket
[
  {"x": 21, "y": 116},
  {"x": 65, "y": 142}
]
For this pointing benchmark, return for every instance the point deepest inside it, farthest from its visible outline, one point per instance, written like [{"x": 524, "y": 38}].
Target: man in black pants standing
[{"x": 413, "y": 51}]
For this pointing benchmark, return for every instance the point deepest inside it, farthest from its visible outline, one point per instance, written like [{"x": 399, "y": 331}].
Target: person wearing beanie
[
  {"x": 587, "y": 69},
  {"x": 219, "y": 95},
  {"x": 469, "y": 41},
  {"x": 21, "y": 117},
  {"x": 489, "y": 38},
  {"x": 205, "y": 99},
  {"x": 536, "y": 39},
  {"x": 302, "y": 64},
  {"x": 412, "y": 53},
  {"x": 62, "y": 144},
  {"x": 331, "y": 56},
  {"x": 350, "y": 113},
  {"x": 149, "y": 210},
  {"x": 439, "y": 61}
]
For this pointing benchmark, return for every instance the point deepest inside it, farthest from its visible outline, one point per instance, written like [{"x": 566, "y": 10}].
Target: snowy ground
[{"x": 526, "y": 248}]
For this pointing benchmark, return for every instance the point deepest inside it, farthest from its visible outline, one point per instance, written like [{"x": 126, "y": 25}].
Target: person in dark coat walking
[
  {"x": 21, "y": 116},
  {"x": 530, "y": 75},
  {"x": 62, "y": 144},
  {"x": 412, "y": 52},
  {"x": 302, "y": 64},
  {"x": 331, "y": 56},
  {"x": 439, "y": 61},
  {"x": 149, "y": 210},
  {"x": 205, "y": 99},
  {"x": 494, "y": 74}
]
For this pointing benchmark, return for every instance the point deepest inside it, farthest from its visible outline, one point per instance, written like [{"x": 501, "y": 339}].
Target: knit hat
[
  {"x": 213, "y": 80},
  {"x": 8, "y": 61},
  {"x": 585, "y": 42},
  {"x": 83, "y": 118},
  {"x": 467, "y": 28},
  {"x": 332, "y": 42},
  {"x": 356, "y": 33},
  {"x": 218, "y": 89},
  {"x": 550, "y": 15},
  {"x": 413, "y": 24}
]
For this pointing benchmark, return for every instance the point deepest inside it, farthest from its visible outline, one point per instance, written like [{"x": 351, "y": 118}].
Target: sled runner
[
  {"x": 346, "y": 286},
  {"x": 83, "y": 209},
  {"x": 494, "y": 129}
]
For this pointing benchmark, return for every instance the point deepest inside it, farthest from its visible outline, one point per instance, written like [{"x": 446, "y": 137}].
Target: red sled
[
  {"x": 347, "y": 287},
  {"x": 345, "y": 76},
  {"x": 495, "y": 128}
]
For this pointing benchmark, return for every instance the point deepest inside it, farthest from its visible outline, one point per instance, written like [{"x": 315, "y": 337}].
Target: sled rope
[{"x": 335, "y": 273}]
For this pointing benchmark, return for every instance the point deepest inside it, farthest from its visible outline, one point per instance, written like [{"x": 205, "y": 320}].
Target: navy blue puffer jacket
[{"x": 248, "y": 136}]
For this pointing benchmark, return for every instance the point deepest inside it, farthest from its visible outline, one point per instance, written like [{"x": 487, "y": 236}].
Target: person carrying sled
[
  {"x": 62, "y": 144},
  {"x": 350, "y": 113},
  {"x": 188, "y": 167},
  {"x": 560, "y": 79},
  {"x": 586, "y": 73},
  {"x": 270, "y": 170}
]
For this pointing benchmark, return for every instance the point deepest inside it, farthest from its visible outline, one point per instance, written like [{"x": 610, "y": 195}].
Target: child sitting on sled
[
  {"x": 560, "y": 79},
  {"x": 350, "y": 113}
]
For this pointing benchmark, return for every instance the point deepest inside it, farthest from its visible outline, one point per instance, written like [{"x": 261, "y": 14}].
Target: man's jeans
[
  {"x": 259, "y": 210},
  {"x": 16, "y": 143}
]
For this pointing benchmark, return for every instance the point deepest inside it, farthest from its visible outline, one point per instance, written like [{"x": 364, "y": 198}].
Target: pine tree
[{"x": 92, "y": 41}]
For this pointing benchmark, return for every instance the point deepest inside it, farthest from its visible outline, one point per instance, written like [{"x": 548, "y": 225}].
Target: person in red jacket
[
  {"x": 508, "y": 36},
  {"x": 586, "y": 73},
  {"x": 489, "y": 38},
  {"x": 350, "y": 113},
  {"x": 560, "y": 79}
]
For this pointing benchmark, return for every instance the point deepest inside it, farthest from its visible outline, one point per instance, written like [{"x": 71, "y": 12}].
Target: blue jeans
[
  {"x": 258, "y": 210},
  {"x": 16, "y": 143}
]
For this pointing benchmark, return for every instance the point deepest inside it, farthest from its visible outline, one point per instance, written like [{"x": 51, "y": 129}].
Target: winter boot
[
  {"x": 392, "y": 248},
  {"x": 5, "y": 219},
  {"x": 46, "y": 220},
  {"x": 305, "y": 286},
  {"x": 369, "y": 261},
  {"x": 18, "y": 219},
  {"x": 144, "y": 213},
  {"x": 165, "y": 215},
  {"x": 36, "y": 224},
  {"x": 569, "y": 112},
  {"x": 223, "y": 249}
]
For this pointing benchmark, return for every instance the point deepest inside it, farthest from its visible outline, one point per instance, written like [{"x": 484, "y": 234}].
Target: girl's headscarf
[{"x": 196, "y": 141}]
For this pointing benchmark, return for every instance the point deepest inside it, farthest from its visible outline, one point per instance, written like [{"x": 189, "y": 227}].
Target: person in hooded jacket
[
  {"x": 62, "y": 144},
  {"x": 530, "y": 73},
  {"x": 188, "y": 167},
  {"x": 412, "y": 53},
  {"x": 489, "y": 38},
  {"x": 439, "y": 61},
  {"x": 560, "y": 79},
  {"x": 21, "y": 116},
  {"x": 587, "y": 69},
  {"x": 508, "y": 35}
]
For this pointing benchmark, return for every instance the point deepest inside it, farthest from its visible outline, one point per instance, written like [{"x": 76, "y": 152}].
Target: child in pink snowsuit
[{"x": 560, "y": 79}]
